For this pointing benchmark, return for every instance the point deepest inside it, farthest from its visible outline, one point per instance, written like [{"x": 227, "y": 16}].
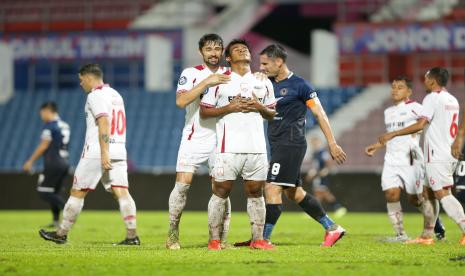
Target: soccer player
[
  {"x": 440, "y": 125},
  {"x": 241, "y": 147},
  {"x": 286, "y": 135},
  {"x": 403, "y": 162},
  {"x": 54, "y": 147},
  {"x": 318, "y": 176},
  {"x": 103, "y": 157},
  {"x": 198, "y": 137}
]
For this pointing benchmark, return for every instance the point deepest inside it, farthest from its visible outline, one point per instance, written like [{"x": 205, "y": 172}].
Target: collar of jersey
[{"x": 100, "y": 87}]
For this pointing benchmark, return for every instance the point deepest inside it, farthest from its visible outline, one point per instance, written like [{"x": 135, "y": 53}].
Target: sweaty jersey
[
  {"x": 441, "y": 111},
  {"x": 195, "y": 128},
  {"x": 240, "y": 132},
  {"x": 105, "y": 101},
  {"x": 403, "y": 150},
  {"x": 293, "y": 95},
  {"x": 58, "y": 133}
]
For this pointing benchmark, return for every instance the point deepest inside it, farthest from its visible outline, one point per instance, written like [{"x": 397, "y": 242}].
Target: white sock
[
  {"x": 226, "y": 220},
  {"x": 177, "y": 202},
  {"x": 454, "y": 210},
  {"x": 216, "y": 212},
  {"x": 396, "y": 216},
  {"x": 429, "y": 217},
  {"x": 127, "y": 207},
  {"x": 71, "y": 211},
  {"x": 257, "y": 214}
]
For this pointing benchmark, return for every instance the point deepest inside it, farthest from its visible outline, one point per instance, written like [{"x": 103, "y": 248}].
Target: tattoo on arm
[{"x": 105, "y": 138}]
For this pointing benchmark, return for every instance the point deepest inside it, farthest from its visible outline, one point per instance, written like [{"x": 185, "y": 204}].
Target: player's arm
[
  {"x": 38, "y": 152},
  {"x": 186, "y": 97},
  {"x": 335, "y": 150},
  {"x": 210, "y": 111},
  {"x": 416, "y": 127},
  {"x": 254, "y": 105},
  {"x": 371, "y": 149},
  {"x": 104, "y": 141},
  {"x": 457, "y": 146}
]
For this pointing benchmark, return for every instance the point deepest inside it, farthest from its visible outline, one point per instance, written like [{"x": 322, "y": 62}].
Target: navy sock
[
  {"x": 273, "y": 211},
  {"x": 56, "y": 202},
  {"x": 313, "y": 208}
]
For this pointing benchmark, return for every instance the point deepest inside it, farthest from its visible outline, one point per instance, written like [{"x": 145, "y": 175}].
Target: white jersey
[
  {"x": 240, "y": 132},
  {"x": 403, "y": 150},
  {"x": 195, "y": 128},
  {"x": 441, "y": 111},
  {"x": 105, "y": 101}
]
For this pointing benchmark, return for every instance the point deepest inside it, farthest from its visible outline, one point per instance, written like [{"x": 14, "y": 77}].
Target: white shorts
[
  {"x": 190, "y": 159},
  {"x": 410, "y": 178},
  {"x": 440, "y": 175},
  {"x": 89, "y": 172},
  {"x": 251, "y": 166}
]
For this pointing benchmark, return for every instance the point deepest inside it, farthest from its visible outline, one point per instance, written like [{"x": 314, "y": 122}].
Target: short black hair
[
  {"x": 214, "y": 38},
  {"x": 275, "y": 51},
  {"x": 407, "y": 81},
  {"x": 227, "y": 51},
  {"x": 91, "y": 68},
  {"x": 52, "y": 106},
  {"x": 439, "y": 74}
]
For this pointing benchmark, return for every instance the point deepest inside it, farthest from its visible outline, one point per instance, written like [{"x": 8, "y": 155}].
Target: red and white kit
[
  {"x": 198, "y": 135},
  {"x": 442, "y": 111},
  {"x": 241, "y": 146},
  {"x": 103, "y": 101}
]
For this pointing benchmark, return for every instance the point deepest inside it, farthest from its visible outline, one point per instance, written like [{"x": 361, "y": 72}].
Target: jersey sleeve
[
  {"x": 97, "y": 105},
  {"x": 210, "y": 99},
  {"x": 186, "y": 81},
  {"x": 46, "y": 133},
  {"x": 270, "y": 100},
  {"x": 418, "y": 111},
  {"x": 428, "y": 107},
  {"x": 308, "y": 94}
]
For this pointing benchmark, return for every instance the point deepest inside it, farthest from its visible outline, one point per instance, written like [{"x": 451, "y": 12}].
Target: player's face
[
  {"x": 400, "y": 91},
  {"x": 270, "y": 66},
  {"x": 44, "y": 114},
  {"x": 239, "y": 52},
  {"x": 85, "y": 82},
  {"x": 211, "y": 53},
  {"x": 428, "y": 83}
]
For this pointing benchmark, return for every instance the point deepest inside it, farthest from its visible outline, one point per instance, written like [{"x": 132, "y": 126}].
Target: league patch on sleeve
[
  {"x": 182, "y": 80},
  {"x": 313, "y": 95}
]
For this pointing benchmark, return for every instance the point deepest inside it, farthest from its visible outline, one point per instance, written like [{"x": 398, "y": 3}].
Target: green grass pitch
[{"x": 90, "y": 252}]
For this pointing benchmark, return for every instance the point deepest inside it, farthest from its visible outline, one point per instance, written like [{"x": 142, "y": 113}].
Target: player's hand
[
  {"x": 371, "y": 149},
  {"x": 260, "y": 76},
  {"x": 337, "y": 153},
  {"x": 106, "y": 162},
  {"x": 383, "y": 139},
  {"x": 215, "y": 79},
  {"x": 236, "y": 104},
  {"x": 456, "y": 148},
  {"x": 27, "y": 166},
  {"x": 253, "y": 104}
]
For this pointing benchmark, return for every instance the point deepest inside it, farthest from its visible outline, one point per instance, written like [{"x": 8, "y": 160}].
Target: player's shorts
[
  {"x": 89, "y": 172},
  {"x": 410, "y": 178},
  {"x": 190, "y": 159},
  {"x": 250, "y": 166},
  {"x": 51, "y": 180},
  {"x": 320, "y": 183},
  {"x": 440, "y": 175},
  {"x": 285, "y": 165}
]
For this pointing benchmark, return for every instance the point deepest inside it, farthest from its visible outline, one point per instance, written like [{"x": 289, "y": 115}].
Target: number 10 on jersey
[{"x": 118, "y": 122}]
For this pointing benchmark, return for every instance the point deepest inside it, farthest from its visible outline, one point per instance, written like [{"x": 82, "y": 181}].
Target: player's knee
[
  {"x": 78, "y": 193},
  {"x": 392, "y": 195},
  {"x": 184, "y": 177},
  {"x": 254, "y": 189},
  {"x": 414, "y": 200},
  {"x": 222, "y": 189},
  {"x": 295, "y": 194}
]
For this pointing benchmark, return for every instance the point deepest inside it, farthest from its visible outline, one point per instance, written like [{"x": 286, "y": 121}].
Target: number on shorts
[
  {"x": 460, "y": 171},
  {"x": 275, "y": 168},
  {"x": 118, "y": 122},
  {"x": 454, "y": 128}
]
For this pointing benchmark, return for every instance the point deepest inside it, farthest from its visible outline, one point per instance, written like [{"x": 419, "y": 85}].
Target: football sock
[
  {"x": 127, "y": 207},
  {"x": 71, "y": 212},
  {"x": 454, "y": 210},
  {"x": 56, "y": 203},
  {"x": 216, "y": 212},
  {"x": 396, "y": 216},
  {"x": 313, "y": 208},
  {"x": 226, "y": 220},
  {"x": 429, "y": 217},
  {"x": 335, "y": 205},
  {"x": 177, "y": 202},
  {"x": 273, "y": 211},
  {"x": 257, "y": 212}
]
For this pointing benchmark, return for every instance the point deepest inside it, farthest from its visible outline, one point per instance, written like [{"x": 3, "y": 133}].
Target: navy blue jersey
[
  {"x": 320, "y": 157},
  {"x": 288, "y": 126},
  {"x": 58, "y": 133}
]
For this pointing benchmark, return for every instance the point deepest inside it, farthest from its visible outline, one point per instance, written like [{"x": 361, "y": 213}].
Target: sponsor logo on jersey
[{"x": 182, "y": 80}]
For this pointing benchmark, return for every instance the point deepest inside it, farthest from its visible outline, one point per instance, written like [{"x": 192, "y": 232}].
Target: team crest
[
  {"x": 283, "y": 91},
  {"x": 182, "y": 80},
  {"x": 244, "y": 87}
]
